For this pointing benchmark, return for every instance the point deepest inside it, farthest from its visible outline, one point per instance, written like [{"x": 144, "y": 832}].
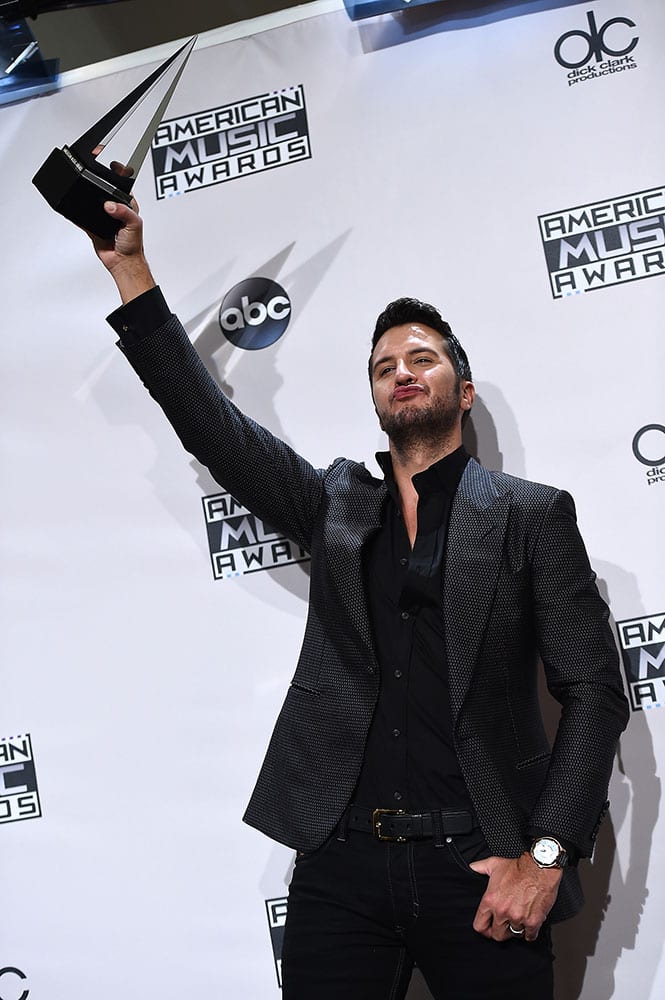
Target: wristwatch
[{"x": 548, "y": 853}]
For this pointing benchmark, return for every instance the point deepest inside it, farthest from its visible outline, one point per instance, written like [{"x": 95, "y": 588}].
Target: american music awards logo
[
  {"x": 642, "y": 642},
  {"x": 230, "y": 142},
  {"x": 19, "y": 795},
  {"x": 276, "y": 910},
  {"x": 241, "y": 543},
  {"x": 605, "y": 243}
]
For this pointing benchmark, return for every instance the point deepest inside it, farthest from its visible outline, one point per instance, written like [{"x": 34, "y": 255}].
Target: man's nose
[{"x": 402, "y": 372}]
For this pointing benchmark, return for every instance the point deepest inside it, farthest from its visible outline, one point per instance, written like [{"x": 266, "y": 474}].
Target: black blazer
[{"x": 517, "y": 587}]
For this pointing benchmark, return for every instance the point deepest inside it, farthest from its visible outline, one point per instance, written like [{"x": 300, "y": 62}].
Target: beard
[{"x": 415, "y": 427}]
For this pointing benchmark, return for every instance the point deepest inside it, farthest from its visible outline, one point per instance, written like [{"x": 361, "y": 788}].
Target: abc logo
[{"x": 255, "y": 313}]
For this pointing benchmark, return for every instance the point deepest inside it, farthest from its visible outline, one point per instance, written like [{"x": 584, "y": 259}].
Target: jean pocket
[
  {"x": 302, "y": 857},
  {"x": 461, "y": 861}
]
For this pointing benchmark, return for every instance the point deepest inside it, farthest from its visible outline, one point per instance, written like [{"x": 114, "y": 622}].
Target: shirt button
[
  {"x": 398, "y": 674},
  {"x": 404, "y": 616},
  {"x": 396, "y": 732},
  {"x": 397, "y": 796},
  {"x": 404, "y": 561},
  {"x": 370, "y": 669}
]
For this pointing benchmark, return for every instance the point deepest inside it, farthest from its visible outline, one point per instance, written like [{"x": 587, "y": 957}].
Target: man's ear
[{"x": 467, "y": 396}]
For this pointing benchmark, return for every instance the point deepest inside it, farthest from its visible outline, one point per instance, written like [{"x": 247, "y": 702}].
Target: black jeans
[{"x": 362, "y": 912}]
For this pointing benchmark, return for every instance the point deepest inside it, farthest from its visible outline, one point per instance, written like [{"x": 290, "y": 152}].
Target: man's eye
[
  {"x": 386, "y": 370},
  {"x": 421, "y": 361}
]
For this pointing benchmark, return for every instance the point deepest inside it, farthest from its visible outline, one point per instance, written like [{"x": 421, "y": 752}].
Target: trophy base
[{"x": 77, "y": 193}]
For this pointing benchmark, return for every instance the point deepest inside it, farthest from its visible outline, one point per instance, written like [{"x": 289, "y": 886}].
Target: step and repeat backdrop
[{"x": 512, "y": 171}]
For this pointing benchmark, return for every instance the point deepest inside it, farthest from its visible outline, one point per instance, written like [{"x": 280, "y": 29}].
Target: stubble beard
[{"x": 417, "y": 428}]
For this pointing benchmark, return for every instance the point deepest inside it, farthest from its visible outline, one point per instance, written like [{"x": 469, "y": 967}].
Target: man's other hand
[{"x": 519, "y": 895}]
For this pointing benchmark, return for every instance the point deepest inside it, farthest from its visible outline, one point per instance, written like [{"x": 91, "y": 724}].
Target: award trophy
[{"x": 76, "y": 184}]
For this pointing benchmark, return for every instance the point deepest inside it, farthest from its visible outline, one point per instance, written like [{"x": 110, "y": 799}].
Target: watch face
[{"x": 546, "y": 851}]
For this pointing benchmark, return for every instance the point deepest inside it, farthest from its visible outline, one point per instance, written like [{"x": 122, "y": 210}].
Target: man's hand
[
  {"x": 519, "y": 894},
  {"x": 124, "y": 257}
]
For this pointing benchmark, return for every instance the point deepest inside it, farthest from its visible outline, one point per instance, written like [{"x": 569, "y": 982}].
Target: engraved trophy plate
[{"x": 76, "y": 184}]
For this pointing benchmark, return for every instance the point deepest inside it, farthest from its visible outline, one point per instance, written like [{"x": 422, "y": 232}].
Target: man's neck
[{"x": 407, "y": 464}]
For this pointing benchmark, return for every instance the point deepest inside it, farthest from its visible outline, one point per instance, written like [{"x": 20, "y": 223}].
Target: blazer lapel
[
  {"x": 476, "y": 533},
  {"x": 358, "y": 517}
]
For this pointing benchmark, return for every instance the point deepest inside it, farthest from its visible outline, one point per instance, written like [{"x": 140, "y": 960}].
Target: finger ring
[{"x": 517, "y": 931}]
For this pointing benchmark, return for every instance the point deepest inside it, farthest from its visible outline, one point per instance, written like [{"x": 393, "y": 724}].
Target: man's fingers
[
  {"x": 483, "y": 920},
  {"x": 125, "y": 215},
  {"x": 521, "y": 929},
  {"x": 120, "y": 168},
  {"x": 495, "y": 923},
  {"x": 129, "y": 237}
]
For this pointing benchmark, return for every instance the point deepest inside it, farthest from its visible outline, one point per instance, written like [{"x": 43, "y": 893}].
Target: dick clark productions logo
[
  {"x": 12, "y": 984},
  {"x": 649, "y": 449},
  {"x": 600, "y": 51}
]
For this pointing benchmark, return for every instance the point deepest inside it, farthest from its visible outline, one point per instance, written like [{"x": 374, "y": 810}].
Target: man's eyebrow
[{"x": 413, "y": 350}]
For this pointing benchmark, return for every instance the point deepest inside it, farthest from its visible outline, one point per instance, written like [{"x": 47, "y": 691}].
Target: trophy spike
[{"x": 76, "y": 184}]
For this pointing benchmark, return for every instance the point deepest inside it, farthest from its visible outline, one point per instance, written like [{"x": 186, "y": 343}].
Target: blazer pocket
[
  {"x": 308, "y": 672},
  {"x": 303, "y": 687},
  {"x": 532, "y": 761}
]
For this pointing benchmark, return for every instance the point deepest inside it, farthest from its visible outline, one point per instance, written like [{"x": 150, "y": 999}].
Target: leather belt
[{"x": 398, "y": 826}]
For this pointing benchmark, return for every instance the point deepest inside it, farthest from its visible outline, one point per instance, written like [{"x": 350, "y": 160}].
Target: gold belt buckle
[{"x": 376, "y": 824}]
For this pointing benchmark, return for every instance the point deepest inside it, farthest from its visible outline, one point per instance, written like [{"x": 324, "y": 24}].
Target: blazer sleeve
[
  {"x": 582, "y": 671},
  {"x": 257, "y": 468}
]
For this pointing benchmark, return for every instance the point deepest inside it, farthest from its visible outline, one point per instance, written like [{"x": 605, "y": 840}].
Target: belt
[{"x": 398, "y": 826}]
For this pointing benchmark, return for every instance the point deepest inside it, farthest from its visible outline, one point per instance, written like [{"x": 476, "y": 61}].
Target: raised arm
[{"x": 259, "y": 469}]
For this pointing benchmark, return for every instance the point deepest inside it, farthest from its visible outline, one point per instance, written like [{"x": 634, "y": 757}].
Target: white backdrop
[{"x": 149, "y": 688}]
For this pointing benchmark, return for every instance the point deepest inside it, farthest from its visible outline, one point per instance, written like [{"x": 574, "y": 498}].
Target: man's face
[{"x": 417, "y": 395}]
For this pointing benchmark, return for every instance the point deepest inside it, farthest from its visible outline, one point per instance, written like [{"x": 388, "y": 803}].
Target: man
[{"x": 409, "y": 766}]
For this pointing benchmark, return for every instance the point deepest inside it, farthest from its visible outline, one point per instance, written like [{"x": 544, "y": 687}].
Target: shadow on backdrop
[
  {"x": 252, "y": 374},
  {"x": 589, "y": 946},
  {"x": 237, "y": 370},
  {"x": 450, "y": 15},
  {"x": 480, "y": 436}
]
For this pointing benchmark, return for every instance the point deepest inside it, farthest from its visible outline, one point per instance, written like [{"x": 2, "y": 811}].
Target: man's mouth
[{"x": 407, "y": 391}]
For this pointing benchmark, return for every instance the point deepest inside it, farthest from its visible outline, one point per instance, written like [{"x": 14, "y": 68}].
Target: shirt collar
[{"x": 442, "y": 476}]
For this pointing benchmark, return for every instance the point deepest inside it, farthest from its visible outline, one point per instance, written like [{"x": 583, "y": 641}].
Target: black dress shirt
[{"x": 410, "y": 761}]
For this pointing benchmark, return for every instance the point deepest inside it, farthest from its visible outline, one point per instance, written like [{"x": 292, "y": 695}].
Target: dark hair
[{"x": 408, "y": 310}]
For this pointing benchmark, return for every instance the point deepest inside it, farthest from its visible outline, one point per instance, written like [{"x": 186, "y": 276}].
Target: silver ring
[{"x": 517, "y": 931}]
